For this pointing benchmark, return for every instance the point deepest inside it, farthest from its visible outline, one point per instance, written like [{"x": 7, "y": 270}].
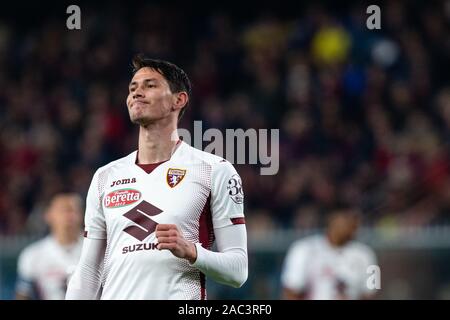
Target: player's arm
[
  {"x": 85, "y": 282},
  {"x": 289, "y": 294},
  {"x": 293, "y": 276},
  {"x": 25, "y": 284},
  {"x": 369, "y": 296},
  {"x": 227, "y": 266},
  {"x": 21, "y": 296},
  {"x": 230, "y": 264}
]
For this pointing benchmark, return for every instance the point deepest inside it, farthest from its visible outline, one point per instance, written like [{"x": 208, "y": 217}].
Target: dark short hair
[
  {"x": 175, "y": 76},
  {"x": 345, "y": 208}
]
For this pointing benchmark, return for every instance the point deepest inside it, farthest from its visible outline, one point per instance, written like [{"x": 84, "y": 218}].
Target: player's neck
[
  {"x": 156, "y": 143},
  {"x": 65, "y": 239},
  {"x": 334, "y": 241}
]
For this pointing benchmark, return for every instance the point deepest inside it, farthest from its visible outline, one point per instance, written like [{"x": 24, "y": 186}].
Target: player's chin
[
  {"x": 138, "y": 120},
  {"x": 141, "y": 121}
]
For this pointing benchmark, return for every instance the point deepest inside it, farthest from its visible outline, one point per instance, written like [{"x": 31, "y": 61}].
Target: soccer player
[
  {"x": 44, "y": 266},
  {"x": 152, "y": 216},
  {"x": 331, "y": 266}
]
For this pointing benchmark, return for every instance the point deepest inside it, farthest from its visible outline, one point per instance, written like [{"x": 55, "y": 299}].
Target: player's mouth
[{"x": 139, "y": 103}]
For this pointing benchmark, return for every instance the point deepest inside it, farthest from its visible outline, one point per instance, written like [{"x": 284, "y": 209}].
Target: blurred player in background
[
  {"x": 331, "y": 266},
  {"x": 152, "y": 216},
  {"x": 44, "y": 266}
]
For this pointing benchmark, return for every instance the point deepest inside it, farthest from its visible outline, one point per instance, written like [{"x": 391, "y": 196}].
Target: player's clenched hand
[{"x": 170, "y": 237}]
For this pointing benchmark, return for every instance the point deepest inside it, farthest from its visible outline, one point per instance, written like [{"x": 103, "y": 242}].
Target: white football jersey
[
  {"x": 44, "y": 268},
  {"x": 195, "y": 190},
  {"x": 324, "y": 272}
]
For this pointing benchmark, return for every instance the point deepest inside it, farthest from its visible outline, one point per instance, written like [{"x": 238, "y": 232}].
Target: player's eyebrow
[{"x": 133, "y": 83}]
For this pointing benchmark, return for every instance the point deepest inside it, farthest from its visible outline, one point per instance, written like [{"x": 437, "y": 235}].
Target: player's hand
[{"x": 170, "y": 238}]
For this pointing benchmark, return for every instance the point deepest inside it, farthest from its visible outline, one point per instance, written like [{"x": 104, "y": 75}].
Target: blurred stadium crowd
[{"x": 364, "y": 115}]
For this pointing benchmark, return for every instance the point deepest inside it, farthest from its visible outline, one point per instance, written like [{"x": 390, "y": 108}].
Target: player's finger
[
  {"x": 168, "y": 233},
  {"x": 163, "y": 233},
  {"x": 167, "y": 239},
  {"x": 165, "y": 227},
  {"x": 166, "y": 246}
]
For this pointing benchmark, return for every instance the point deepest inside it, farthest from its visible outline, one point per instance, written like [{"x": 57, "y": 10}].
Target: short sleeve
[
  {"x": 94, "y": 219},
  {"x": 25, "y": 276},
  {"x": 227, "y": 196},
  {"x": 293, "y": 275}
]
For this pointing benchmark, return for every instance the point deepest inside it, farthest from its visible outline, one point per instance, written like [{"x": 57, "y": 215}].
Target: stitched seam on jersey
[{"x": 202, "y": 286}]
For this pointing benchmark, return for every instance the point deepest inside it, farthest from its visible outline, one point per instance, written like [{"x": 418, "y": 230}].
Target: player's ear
[
  {"x": 47, "y": 216},
  {"x": 180, "y": 99}
]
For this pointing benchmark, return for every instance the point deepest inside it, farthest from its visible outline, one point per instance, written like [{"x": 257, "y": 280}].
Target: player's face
[
  {"x": 65, "y": 213},
  {"x": 344, "y": 226},
  {"x": 149, "y": 97}
]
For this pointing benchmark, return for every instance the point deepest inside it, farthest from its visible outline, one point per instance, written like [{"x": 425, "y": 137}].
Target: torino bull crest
[{"x": 174, "y": 176}]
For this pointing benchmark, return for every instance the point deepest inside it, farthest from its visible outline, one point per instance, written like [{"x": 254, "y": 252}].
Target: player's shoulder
[
  {"x": 200, "y": 155},
  {"x": 361, "y": 248},
  {"x": 36, "y": 248},
  {"x": 307, "y": 242},
  {"x": 119, "y": 163},
  {"x": 216, "y": 162}
]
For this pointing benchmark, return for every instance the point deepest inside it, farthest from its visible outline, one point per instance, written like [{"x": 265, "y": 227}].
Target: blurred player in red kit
[
  {"x": 331, "y": 266},
  {"x": 152, "y": 216}
]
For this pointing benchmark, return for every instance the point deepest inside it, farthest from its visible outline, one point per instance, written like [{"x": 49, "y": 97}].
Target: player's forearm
[
  {"x": 24, "y": 287},
  {"x": 229, "y": 267},
  {"x": 230, "y": 264},
  {"x": 289, "y": 294},
  {"x": 84, "y": 284},
  {"x": 86, "y": 280},
  {"x": 21, "y": 296}
]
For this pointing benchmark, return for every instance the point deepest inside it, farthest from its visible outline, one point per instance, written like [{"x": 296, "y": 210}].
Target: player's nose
[{"x": 138, "y": 93}]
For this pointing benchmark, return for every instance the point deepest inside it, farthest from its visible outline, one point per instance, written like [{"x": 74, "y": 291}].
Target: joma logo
[{"x": 123, "y": 181}]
